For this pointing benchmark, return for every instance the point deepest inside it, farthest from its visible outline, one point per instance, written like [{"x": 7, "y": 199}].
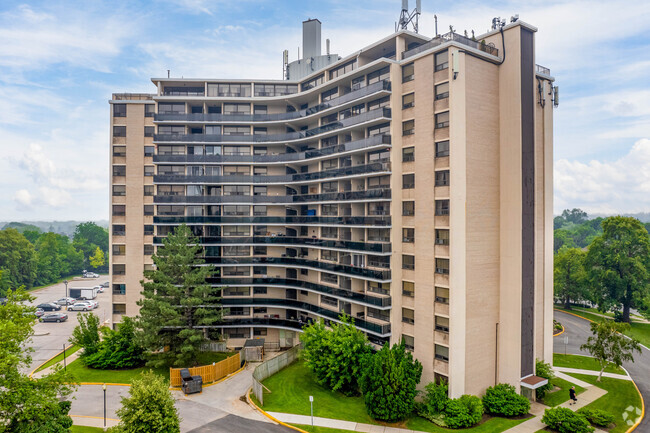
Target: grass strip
[
  {"x": 85, "y": 429},
  {"x": 640, "y": 331},
  {"x": 583, "y": 363},
  {"x": 57, "y": 358},
  {"x": 558, "y": 397},
  {"x": 317, "y": 429}
]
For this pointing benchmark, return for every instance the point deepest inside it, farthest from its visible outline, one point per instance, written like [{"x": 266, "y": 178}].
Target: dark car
[
  {"x": 54, "y": 317},
  {"x": 49, "y": 306}
]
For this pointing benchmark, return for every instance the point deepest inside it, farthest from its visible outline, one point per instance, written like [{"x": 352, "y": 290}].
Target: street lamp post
[
  {"x": 66, "y": 293},
  {"x": 64, "y": 366},
  {"x": 104, "y": 388}
]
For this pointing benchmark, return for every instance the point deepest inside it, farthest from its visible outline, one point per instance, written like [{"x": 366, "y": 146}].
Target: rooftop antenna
[
  {"x": 435, "y": 18},
  {"x": 406, "y": 17},
  {"x": 285, "y": 63},
  {"x": 168, "y": 71},
  {"x": 498, "y": 23}
]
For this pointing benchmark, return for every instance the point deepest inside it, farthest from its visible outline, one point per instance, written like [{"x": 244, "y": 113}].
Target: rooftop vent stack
[
  {"x": 327, "y": 47},
  {"x": 311, "y": 40}
]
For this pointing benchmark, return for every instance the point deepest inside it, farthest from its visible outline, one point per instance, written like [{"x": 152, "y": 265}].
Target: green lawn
[
  {"x": 58, "y": 358},
  {"x": 291, "y": 388},
  {"x": 582, "y": 362},
  {"x": 620, "y": 395},
  {"x": 558, "y": 397},
  {"x": 84, "y": 429},
  {"x": 317, "y": 429},
  {"x": 640, "y": 331}
]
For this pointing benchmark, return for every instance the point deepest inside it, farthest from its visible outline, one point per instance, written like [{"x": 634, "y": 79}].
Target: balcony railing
[
  {"x": 375, "y": 140},
  {"x": 379, "y": 113},
  {"x": 283, "y": 179},
  {"x": 381, "y": 86},
  {"x": 383, "y": 221},
  {"x": 542, "y": 70},
  {"x": 372, "y": 274},
  {"x": 371, "y": 194},
  {"x": 447, "y": 37}
]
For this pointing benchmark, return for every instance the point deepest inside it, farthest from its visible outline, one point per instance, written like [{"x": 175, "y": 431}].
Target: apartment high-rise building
[{"x": 408, "y": 185}]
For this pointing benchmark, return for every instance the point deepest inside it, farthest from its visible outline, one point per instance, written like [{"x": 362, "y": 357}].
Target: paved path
[
  {"x": 591, "y": 373},
  {"x": 578, "y": 331}
]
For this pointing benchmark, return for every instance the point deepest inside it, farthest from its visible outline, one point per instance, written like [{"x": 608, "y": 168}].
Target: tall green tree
[
  {"x": 569, "y": 276},
  {"x": 49, "y": 260},
  {"x": 389, "y": 383},
  {"x": 177, "y": 301},
  {"x": 93, "y": 234},
  {"x": 17, "y": 259},
  {"x": 97, "y": 259},
  {"x": 149, "y": 407},
  {"x": 609, "y": 346},
  {"x": 618, "y": 262},
  {"x": 27, "y": 404},
  {"x": 86, "y": 334}
]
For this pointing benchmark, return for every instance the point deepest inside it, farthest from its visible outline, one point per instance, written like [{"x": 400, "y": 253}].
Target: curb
[
  {"x": 93, "y": 417},
  {"x": 561, "y": 332},
  {"x": 271, "y": 417},
  {"x": 42, "y": 364}
]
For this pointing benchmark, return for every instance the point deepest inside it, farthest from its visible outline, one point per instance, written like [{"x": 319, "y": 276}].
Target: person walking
[{"x": 572, "y": 395}]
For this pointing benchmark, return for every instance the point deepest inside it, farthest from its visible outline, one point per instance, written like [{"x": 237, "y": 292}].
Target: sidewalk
[
  {"x": 93, "y": 421},
  {"x": 50, "y": 369},
  {"x": 560, "y": 370}
]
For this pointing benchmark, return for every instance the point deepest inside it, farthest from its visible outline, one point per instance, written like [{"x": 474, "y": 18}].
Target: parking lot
[{"x": 50, "y": 338}]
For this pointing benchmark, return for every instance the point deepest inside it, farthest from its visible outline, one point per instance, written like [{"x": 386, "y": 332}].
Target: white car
[
  {"x": 90, "y": 275},
  {"x": 91, "y": 303},
  {"x": 99, "y": 289},
  {"x": 80, "y": 306}
]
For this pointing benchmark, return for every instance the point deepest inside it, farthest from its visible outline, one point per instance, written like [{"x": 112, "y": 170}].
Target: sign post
[
  {"x": 566, "y": 341},
  {"x": 311, "y": 403}
]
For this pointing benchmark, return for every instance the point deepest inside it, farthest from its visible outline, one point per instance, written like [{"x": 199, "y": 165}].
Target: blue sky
[{"x": 59, "y": 64}]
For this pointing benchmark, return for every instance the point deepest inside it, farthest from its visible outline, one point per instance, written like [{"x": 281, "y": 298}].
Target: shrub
[
  {"x": 564, "y": 420},
  {"x": 463, "y": 412},
  {"x": 388, "y": 383},
  {"x": 597, "y": 417},
  {"x": 503, "y": 400},
  {"x": 543, "y": 369},
  {"x": 435, "y": 398},
  {"x": 118, "y": 349},
  {"x": 86, "y": 334}
]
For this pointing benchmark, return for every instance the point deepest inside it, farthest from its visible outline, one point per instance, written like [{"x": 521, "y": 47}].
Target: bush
[
  {"x": 118, "y": 349},
  {"x": 463, "y": 412},
  {"x": 435, "y": 398},
  {"x": 564, "y": 420},
  {"x": 597, "y": 417},
  {"x": 543, "y": 369},
  {"x": 503, "y": 400},
  {"x": 86, "y": 334}
]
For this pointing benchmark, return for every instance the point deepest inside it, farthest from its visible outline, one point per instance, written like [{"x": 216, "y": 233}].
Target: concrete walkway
[
  {"x": 559, "y": 370},
  {"x": 336, "y": 423}
]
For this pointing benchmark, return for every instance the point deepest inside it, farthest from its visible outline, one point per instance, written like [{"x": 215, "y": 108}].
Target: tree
[
  {"x": 149, "y": 407},
  {"x": 575, "y": 216},
  {"x": 93, "y": 234},
  {"x": 608, "y": 344},
  {"x": 86, "y": 334},
  {"x": 544, "y": 370},
  {"x": 177, "y": 301},
  {"x": 118, "y": 349},
  {"x": 618, "y": 262},
  {"x": 569, "y": 275},
  {"x": 48, "y": 260},
  {"x": 27, "y": 404},
  {"x": 97, "y": 259},
  {"x": 17, "y": 258},
  {"x": 388, "y": 383},
  {"x": 561, "y": 238}
]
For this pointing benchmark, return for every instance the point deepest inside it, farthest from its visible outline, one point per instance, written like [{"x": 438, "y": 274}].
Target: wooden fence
[{"x": 209, "y": 373}]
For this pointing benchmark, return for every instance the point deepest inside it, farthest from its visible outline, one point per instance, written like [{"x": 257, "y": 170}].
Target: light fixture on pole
[
  {"x": 104, "y": 388},
  {"x": 66, "y": 293},
  {"x": 311, "y": 403},
  {"x": 64, "y": 365}
]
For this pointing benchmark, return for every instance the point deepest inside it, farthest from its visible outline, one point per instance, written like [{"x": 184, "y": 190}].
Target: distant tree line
[{"x": 29, "y": 257}]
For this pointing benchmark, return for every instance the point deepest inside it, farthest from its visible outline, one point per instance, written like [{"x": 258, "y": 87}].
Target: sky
[{"x": 60, "y": 61}]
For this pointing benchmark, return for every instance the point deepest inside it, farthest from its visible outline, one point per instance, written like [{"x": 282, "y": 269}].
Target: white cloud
[
  {"x": 622, "y": 185},
  {"x": 23, "y": 197},
  {"x": 55, "y": 197}
]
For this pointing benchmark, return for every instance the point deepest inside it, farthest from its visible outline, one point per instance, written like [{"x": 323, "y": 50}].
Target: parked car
[
  {"x": 90, "y": 275},
  {"x": 106, "y": 284},
  {"x": 54, "y": 317},
  {"x": 49, "y": 306},
  {"x": 99, "y": 289},
  {"x": 65, "y": 301},
  {"x": 39, "y": 312},
  {"x": 80, "y": 306},
  {"x": 91, "y": 304}
]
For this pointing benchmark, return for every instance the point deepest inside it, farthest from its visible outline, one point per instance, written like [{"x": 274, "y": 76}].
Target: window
[
  {"x": 184, "y": 91},
  {"x": 119, "y": 309},
  {"x": 379, "y": 235},
  {"x": 148, "y": 250},
  {"x": 408, "y": 101},
  {"x": 236, "y": 150},
  {"x": 119, "y": 210},
  {"x": 119, "y": 170},
  {"x": 408, "y": 289},
  {"x": 408, "y": 235},
  {"x": 259, "y": 270},
  {"x": 317, "y": 81},
  {"x": 408, "y": 262},
  {"x": 408, "y": 127},
  {"x": 379, "y": 103},
  {"x": 119, "y": 190},
  {"x": 229, "y": 89},
  {"x": 380, "y": 75},
  {"x": 442, "y": 61},
  {"x": 442, "y": 295},
  {"x": 381, "y": 288},
  {"x": 409, "y": 342},
  {"x": 329, "y": 255},
  {"x": 442, "y": 149},
  {"x": 442, "y": 178},
  {"x": 442, "y": 91},
  {"x": 241, "y": 251},
  {"x": 442, "y": 324},
  {"x": 408, "y": 316},
  {"x": 379, "y": 182},
  {"x": 379, "y": 156},
  {"x": 119, "y": 250},
  {"x": 442, "y": 237},
  {"x": 442, "y": 207},
  {"x": 259, "y": 290},
  {"x": 442, "y": 120},
  {"x": 171, "y": 150},
  {"x": 148, "y": 190},
  {"x": 329, "y": 94},
  {"x": 384, "y": 128},
  {"x": 260, "y": 109},
  {"x": 149, "y": 150},
  {"x": 442, "y": 266},
  {"x": 119, "y": 110},
  {"x": 149, "y": 170},
  {"x": 236, "y": 130},
  {"x": 119, "y": 289},
  {"x": 149, "y": 131},
  {"x": 259, "y": 210},
  {"x": 119, "y": 269},
  {"x": 442, "y": 353},
  {"x": 408, "y": 181},
  {"x": 275, "y": 89},
  {"x": 232, "y": 210},
  {"x": 329, "y": 210},
  {"x": 119, "y": 131},
  {"x": 259, "y": 332},
  {"x": 259, "y": 251},
  {"x": 408, "y": 154},
  {"x": 329, "y": 186},
  {"x": 119, "y": 150},
  {"x": 149, "y": 109},
  {"x": 195, "y": 190},
  {"x": 408, "y": 208},
  {"x": 408, "y": 71},
  {"x": 329, "y": 278},
  {"x": 379, "y": 314},
  {"x": 236, "y": 291},
  {"x": 241, "y": 170},
  {"x": 343, "y": 69},
  {"x": 236, "y": 109},
  {"x": 171, "y": 108},
  {"x": 330, "y": 164},
  {"x": 259, "y": 190},
  {"x": 358, "y": 83},
  {"x": 236, "y": 230},
  {"x": 325, "y": 120},
  {"x": 236, "y": 190},
  {"x": 329, "y": 232},
  {"x": 260, "y": 150},
  {"x": 328, "y": 300}
]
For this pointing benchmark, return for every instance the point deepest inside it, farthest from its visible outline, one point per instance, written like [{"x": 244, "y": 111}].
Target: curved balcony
[
  {"x": 382, "y": 221},
  {"x": 375, "y": 88},
  {"x": 380, "y": 113},
  {"x": 363, "y": 247},
  {"x": 382, "y": 303},
  {"x": 375, "y": 328},
  {"x": 346, "y": 270},
  {"x": 351, "y": 146},
  {"x": 344, "y": 172},
  {"x": 378, "y": 194}
]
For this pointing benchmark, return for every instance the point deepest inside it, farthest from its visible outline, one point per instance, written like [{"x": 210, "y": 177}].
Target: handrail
[{"x": 382, "y": 221}]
